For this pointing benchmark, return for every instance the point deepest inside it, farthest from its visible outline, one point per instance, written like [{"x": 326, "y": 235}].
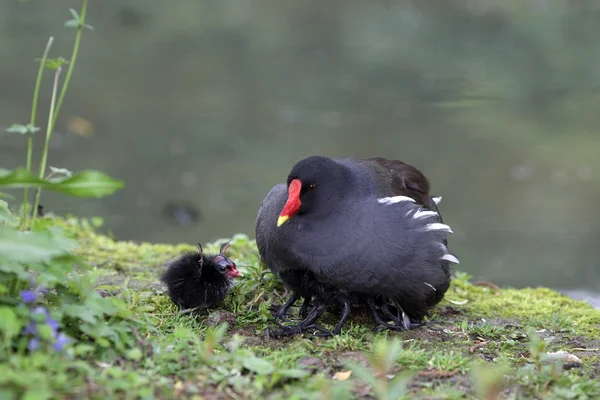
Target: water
[{"x": 201, "y": 107}]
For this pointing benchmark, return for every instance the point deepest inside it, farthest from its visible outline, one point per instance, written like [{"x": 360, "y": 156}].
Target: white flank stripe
[
  {"x": 438, "y": 227},
  {"x": 437, "y": 199},
  {"x": 451, "y": 258},
  {"x": 430, "y": 285},
  {"x": 395, "y": 199}
]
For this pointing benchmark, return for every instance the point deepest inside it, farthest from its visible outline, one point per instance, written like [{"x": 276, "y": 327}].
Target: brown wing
[{"x": 403, "y": 180}]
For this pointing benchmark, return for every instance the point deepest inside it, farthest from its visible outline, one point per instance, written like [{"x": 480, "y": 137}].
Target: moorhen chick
[
  {"x": 351, "y": 232},
  {"x": 198, "y": 281}
]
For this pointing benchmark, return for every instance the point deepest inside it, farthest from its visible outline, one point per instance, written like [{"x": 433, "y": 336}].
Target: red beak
[
  {"x": 293, "y": 202},
  {"x": 234, "y": 273}
]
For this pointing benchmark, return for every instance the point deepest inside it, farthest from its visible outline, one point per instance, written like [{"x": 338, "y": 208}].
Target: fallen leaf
[
  {"x": 458, "y": 302},
  {"x": 342, "y": 375}
]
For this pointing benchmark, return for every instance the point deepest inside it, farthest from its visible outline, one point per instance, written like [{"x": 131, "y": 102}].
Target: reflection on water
[{"x": 202, "y": 107}]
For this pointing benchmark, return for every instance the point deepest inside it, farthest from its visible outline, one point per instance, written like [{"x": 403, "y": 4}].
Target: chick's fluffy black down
[{"x": 192, "y": 283}]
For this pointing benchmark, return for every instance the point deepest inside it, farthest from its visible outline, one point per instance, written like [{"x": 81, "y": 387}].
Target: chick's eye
[{"x": 312, "y": 186}]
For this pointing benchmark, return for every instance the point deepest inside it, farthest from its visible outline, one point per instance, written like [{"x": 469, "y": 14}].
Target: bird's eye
[{"x": 312, "y": 186}]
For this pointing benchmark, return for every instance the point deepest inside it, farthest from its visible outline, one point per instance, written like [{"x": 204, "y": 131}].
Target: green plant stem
[
  {"x": 63, "y": 91},
  {"x": 55, "y": 111},
  {"x": 45, "y": 153},
  {"x": 34, "y": 104}
]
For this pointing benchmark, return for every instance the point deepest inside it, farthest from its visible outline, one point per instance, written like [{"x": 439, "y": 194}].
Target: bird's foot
[
  {"x": 307, "y": 324},
  {"x": 299, "y": 329},
  {"x": 401, "y": 321},
  {"x": 427, "y": 324}
]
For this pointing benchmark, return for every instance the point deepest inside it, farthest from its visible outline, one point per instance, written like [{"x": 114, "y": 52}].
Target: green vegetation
[
  {"x": 82, "y": 316},
  {"x": 127, "y": 340}
]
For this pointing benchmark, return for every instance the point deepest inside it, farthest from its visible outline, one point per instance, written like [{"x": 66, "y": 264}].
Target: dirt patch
[{"x": 313, "y": 364}]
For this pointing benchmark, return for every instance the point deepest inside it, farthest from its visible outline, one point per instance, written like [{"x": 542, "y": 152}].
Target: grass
[{"x": 226, "y": 353}]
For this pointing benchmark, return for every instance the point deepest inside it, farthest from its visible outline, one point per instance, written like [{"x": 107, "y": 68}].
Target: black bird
[
  {"x": 197, "y": 281},
  {"x": 351, "y": 231}
]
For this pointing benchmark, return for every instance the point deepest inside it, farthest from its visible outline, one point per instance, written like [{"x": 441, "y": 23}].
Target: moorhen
[
  {"x": 356, "y": 232},
  {"x": 198, "y": 281}
]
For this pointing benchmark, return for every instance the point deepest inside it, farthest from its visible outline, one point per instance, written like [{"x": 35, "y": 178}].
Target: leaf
[
  {"x": 14, "y": 268},
  {"x": 342, "y": 375},
  {"x": 79, "y": 311},
  {"x": 87, "y": 183},
  {"x": 362, "y": 373},
  {"x": 9, "y": 324},
  {"x": 294, "y": 373},
  {"x": 23, "y": 129},
  {"x": 134, "y": 354},
  {"x": 72, "y": 23},
  {"x": 74, "y": 14},
  {"x": 45, "y": 332},
  {"x": 61, "y": 171},
  {"x": 258, "y": 365},
  {"x": 38, "y": 392},
  {"x": 32, "y": 247},
  {"x": 398, "y": 386},
  {"x": 55, "y": 63},
  {"x": 5, "y": 214},
  {"x": 7, "y": 196}
]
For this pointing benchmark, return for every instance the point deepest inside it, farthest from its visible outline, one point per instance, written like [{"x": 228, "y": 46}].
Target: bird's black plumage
[
  {"x": 357, "y": 231},
  {"x": 196, "y": 280}
]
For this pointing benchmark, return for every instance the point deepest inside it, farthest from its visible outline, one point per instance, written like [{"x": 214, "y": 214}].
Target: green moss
[{"x": 481, "y": 326}]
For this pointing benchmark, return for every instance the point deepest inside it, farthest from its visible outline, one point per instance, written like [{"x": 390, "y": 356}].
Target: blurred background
[{"x": 202, "y": 106}]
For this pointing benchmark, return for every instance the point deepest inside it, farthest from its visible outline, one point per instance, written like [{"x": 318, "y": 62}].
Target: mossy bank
[{"x": 495, "y": 343}]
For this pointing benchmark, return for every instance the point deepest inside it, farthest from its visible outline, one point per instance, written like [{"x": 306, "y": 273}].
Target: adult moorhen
[{"x": 354, "y": 232}]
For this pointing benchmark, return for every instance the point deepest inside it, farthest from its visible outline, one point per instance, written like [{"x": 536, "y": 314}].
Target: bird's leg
[
  {"x": 386, "y": 311},
  {"x": 401, "y": 321},
  {"x": 304, "y": 308},
  {"x": 345, "y": 314},
  {"x": 379, "y": 323},
  {"x": 304, "y": 325},
  {"x": 282, "y": 313},
  {"x": 338, "y": 328}
]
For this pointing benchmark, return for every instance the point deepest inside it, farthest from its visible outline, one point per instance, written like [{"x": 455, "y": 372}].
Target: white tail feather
[
  {"x": 437, "y": 199},
  {"x": 421, "y": 213},
  {"x": 395, "y": 199},
  {"x": 436, "y": 226},
  {"x": 451, "y": 258}
]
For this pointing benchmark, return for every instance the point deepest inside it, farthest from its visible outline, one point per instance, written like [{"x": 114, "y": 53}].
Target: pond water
[{"x": 201, "y": 107}]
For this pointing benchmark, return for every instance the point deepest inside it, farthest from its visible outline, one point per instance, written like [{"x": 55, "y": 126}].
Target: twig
[
  {"x": 488, "y": 284},
  {"x": 143, "y": 343}
]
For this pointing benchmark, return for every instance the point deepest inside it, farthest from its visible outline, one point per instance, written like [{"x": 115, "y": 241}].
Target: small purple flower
[
  {"x": 53, "y": 324},
  {"x": 61, "y": 341},
  {"x": 42, "y": 310},
  {"x": 41, "y": 290},
  {"x": 30, "y": 328},
  {"x": 34, "y": 344},
  {"x": 28, "y": 296}
]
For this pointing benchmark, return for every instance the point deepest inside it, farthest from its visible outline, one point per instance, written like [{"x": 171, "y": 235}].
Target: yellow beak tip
[{"x": 281, "y": 220}]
